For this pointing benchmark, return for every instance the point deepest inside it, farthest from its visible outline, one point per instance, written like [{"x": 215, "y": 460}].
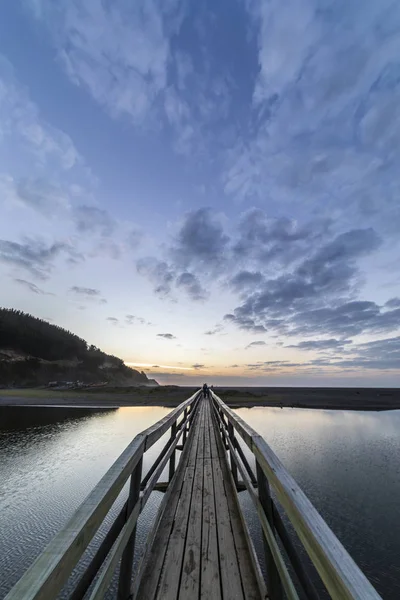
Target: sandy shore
[{"x": 170, "y": 396}]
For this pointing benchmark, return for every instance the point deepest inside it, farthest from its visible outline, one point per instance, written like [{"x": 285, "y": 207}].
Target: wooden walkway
[
  {"x": 199, "y": 545},
  {"x": 200, "y": 549}
]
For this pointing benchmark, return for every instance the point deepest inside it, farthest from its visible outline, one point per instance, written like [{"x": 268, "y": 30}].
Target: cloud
[
  {"x": 253, "y": 344},
  {"x": 36, "y": 193},
  {"x": 90, "y": 219},
  {"x": 131, "y": 320},
  {"x": 197, "y": 366},
  {"x": 191, "y": 285},
  {"x": 113, "y": 320},
  {"x": 34, "y": 256},
  {"x": 84, "y": 291},
  {"x": 245, "y": 280},
  {"x": 166, "y": 279},
  {"x": 328, "y": 123},
  {"x": 89, "y": 294},
  {"x": 120, "y": 53},
  {"x": 214, "y": 331},
  {"x": 32, "y": 287},
  {"x": 313, "y": 285},
  {"x": 383, "y": 355},
  {"x": 379, "y": 354},
  {"x": 135, "y": 238},
  {"x": 167, "y": 336},
  {"x": 321, "y": 345},
  {"x": 159, "y": 273},
  {"x": 271, "y": 365},
  {"x": 200, "y": 241},
  {"x": 349, "y": 319},
  {"x": 199, "y": 246},
  {"x": 393, "y": 303},
  {"x": 23, "y": 124},
  {"x": 267, "y": 240}
]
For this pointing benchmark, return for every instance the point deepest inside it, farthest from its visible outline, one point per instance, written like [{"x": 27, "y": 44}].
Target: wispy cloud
[
  {"x": 32, "y": 287},
  {"x": 92, "y": 219},
  {"x": 119, "y": 53},
  {"x": 36, "y": 193},
  {"x": 326, "y": 98},
  {"x": 88, "y": 294},
  {"x": 166, "y": 336},
  {"x": 35, "y": 256},
  {"x": 132, "y": 319},
  {"x": 113, "y": 320},
  {"x": 255, "y": 344},
  {"x": 22, "y": 122}
]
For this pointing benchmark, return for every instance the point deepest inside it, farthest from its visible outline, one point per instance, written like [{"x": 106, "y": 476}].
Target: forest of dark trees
[{"x": 40, "y": 343}]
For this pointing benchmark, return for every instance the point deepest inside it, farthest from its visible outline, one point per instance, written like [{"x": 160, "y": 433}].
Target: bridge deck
[{"x": 200, "y": 549}]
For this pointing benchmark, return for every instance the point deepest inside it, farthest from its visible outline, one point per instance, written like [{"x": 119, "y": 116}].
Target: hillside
[{"x": 34, "y": 352}]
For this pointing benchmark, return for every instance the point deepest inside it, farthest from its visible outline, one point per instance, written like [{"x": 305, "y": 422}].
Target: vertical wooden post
[
  {"x": 221, "y": 418},
  {"x": 185, "y": 427},
  {"x": 125, "y": 572},
  {"x": 172, "y": 459},
  {"x": 274, "y": 584},
  {"x": 231, "y": 432}
]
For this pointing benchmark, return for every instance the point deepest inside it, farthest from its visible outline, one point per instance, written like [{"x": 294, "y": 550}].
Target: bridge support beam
[
  {"x": 125, "y": 572},
  {"x": 274, "y": 584}
]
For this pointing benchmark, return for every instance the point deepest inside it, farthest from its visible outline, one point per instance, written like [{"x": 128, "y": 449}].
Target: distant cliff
[{"x": 35, "y": 352}]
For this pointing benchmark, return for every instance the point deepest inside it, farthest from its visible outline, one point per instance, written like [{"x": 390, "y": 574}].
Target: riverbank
[{"x": 171, "y": 396}]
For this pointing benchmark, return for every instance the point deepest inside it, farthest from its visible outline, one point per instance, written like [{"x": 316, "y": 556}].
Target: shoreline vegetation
[{"x": 375, "y": 399}]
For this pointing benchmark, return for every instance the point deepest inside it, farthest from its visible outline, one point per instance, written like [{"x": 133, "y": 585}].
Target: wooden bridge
[{"x": 199, "y": 545}]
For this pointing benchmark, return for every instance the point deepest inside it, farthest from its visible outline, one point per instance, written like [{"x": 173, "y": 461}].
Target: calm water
[{"x": 347, "y": 462}]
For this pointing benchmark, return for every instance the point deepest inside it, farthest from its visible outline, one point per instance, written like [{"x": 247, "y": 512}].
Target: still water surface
[{"x": 347, "y": 463}]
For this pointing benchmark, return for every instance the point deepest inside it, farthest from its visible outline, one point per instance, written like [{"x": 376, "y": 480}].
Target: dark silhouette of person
[{"x": 206, "y": 392}]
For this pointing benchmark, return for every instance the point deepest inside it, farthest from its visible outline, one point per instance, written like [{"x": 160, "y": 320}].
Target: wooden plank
[
  {"x": 200, "y": 432},
  {"x": 190, "y": 581},
  {"x": 145, "y": 587},
  {"x": 230, "y": 574},
  {"x": 217, "y": 449},
  {"x": 47, "y": 575},
  {"x": 210, "y": 568},
  {"x": 207, "y": 426},
  {"x": 172, "y": 567},
  {"x": 250, "y": 573}
]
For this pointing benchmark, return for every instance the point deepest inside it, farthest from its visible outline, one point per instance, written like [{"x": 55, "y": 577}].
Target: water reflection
[
  {"x": 50, "y": 459},
  {"x": 348, "y": 464}
]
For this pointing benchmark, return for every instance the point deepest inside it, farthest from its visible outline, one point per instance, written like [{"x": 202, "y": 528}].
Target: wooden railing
[
  {"x": 339, "y": 573},
  {"x": 51, "y": 570}
]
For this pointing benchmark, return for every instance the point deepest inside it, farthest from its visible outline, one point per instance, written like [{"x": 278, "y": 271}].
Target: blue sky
[{"x": 210, "y": 190}]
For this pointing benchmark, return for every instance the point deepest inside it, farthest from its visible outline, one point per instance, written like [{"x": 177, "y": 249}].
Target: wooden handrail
[
  {"x": 342, "y": 577},
  {"x": 47, "y": 575}
]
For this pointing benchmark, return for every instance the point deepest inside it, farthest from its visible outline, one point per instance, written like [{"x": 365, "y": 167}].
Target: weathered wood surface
[
  {"x": 342, "y": 577},
  {"x": 195, "y": 553}
]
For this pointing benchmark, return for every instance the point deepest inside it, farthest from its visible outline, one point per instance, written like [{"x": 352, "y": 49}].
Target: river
[{"x": 347, "y": 462}]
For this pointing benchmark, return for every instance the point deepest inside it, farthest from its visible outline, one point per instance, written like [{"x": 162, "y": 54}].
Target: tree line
[{"x": 28, "y": 335}]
